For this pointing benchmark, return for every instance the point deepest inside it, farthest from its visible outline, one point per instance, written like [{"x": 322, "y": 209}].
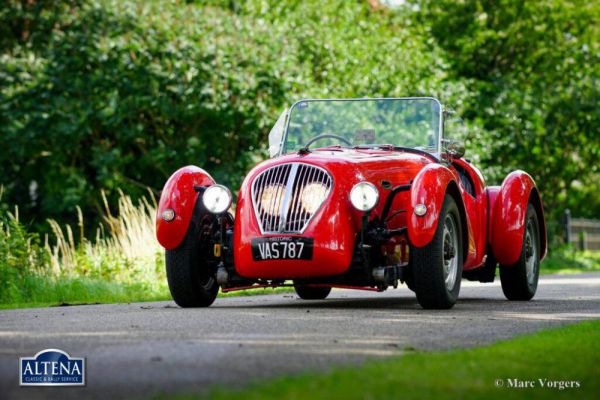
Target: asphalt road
[{"x": 142, "y": 349}]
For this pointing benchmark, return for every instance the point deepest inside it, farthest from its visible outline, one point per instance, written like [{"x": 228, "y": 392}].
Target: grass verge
[
  {"x": 569, "y": 354},
  {"x": 49, "y": 291},
  {"x": 568, "y": 261}
]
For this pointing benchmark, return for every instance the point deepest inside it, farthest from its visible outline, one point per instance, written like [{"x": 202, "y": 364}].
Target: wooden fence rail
[{"x": 583, "y": 233}]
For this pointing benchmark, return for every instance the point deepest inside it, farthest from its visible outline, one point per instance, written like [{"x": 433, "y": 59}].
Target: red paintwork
[
  {"x": 429, "y": 188},
  {"x": 335, "y": 227},
  {"x": 476, "y": 211},
  {"x": 508, "y": 212},
  {"x": 492, "y": 194},
  {"x": 179, "y": 195},
  {"x": 493, "y": 216}
]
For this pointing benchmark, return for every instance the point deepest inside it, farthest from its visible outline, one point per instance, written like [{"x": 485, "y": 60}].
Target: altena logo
[{"x": 52, "y": 367}]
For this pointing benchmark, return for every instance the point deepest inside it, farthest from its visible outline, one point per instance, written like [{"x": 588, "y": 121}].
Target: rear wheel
[
  {"x": 437, "y": 267},
  {"x": 409, "y": 279},
  {"x": 312, "y": 293},
  {"x": 191, "y": 280},
  {"x": 520, "y": 280}
]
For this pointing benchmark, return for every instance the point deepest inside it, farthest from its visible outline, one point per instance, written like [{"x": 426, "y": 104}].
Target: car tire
[
  {"x": 520, "y": 280},
  {"x": 409, "y": 279},
  {"x": 312, "y": 293},
  {"x": 437, "y": 267},
  {"x": 191, "y": 282}
]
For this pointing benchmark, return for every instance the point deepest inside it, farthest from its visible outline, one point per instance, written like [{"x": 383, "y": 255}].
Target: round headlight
[
  {"x": 216, "y": 199},
  {"x": 312, "y": 196},
  {"x": 364, "y": 196},
  {"x": 271, "y": 199}
]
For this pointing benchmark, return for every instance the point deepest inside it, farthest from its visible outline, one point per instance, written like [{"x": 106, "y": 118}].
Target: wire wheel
[{"x": 450, "y": 254}]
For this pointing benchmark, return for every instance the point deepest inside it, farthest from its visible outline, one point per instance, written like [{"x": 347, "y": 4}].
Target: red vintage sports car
[{"x": 359, "y": 193}]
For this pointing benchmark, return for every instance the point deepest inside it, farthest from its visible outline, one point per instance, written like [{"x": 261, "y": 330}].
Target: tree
[
  {"x": 116, "y": 95},
  {"x": 533, "y": 67}
]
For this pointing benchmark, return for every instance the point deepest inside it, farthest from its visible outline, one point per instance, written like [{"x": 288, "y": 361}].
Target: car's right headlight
[
  {"x": 312, "y": 196},
  {"x": 364, "y": 196}
]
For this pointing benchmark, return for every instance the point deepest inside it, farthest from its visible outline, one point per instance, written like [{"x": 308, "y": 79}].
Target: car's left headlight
[
  {"x": 217, "y": 199},
  {"x": 364, "y": 196},
  {"x": 312, "y": 196}
]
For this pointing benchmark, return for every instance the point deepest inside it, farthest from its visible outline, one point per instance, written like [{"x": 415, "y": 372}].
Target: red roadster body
[{"x": 354, "y": 212}]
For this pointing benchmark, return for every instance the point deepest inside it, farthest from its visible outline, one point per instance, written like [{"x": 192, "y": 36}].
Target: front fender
[
  {"x": 429, "y": 187},
  {"x": 180, "y": 196},
  {"x": 508, "y": 216}
]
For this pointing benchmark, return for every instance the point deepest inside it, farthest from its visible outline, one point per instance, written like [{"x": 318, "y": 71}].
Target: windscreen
[{"x": 411, "y": 122}]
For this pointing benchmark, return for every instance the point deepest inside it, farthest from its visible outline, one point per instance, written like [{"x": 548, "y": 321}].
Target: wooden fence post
[{"x": 567, "y": 225}]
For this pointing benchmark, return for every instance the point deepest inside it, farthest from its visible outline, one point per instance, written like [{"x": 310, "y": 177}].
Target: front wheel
[
  {"x": 520, "y": 280},
  {"x": 437, "y": 267},
  {"x": 191, "y": 282}
]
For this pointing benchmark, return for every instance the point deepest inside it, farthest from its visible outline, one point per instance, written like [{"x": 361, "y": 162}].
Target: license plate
[{"x": 282, "y": 248}]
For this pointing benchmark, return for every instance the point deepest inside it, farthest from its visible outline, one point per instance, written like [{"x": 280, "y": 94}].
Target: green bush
[
  {"x": 21, "y": 256},
  {"x": 117, "y": 94},
  {"x": 565, "y": 259},
  {"x": 533, "y": 69}
]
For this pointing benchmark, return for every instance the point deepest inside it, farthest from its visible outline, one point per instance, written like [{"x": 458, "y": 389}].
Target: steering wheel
[{"x": 327, "y": 136}]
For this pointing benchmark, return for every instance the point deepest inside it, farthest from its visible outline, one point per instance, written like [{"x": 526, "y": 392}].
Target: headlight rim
[
  {"x": 229, "y": 197},
  {"x": 370, "y": 185}
]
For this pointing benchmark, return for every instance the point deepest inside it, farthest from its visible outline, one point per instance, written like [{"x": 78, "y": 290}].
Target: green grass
[
  {"x": 570, "y": 353},
  {"x": 48, "y": 291},
  {"x": 43, "y": 291},
  {"x": 567, "y": 261}
]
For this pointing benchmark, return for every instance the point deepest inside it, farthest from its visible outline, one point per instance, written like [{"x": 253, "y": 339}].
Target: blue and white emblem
[{"x": 52, "y": 367}]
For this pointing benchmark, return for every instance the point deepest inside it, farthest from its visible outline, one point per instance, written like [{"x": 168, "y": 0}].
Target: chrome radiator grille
[{"x": 286, "y": 197}]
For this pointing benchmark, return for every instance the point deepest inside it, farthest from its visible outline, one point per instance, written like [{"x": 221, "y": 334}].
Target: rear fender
[
  {"x": 430, "y": 187},
  {"x": 508, "y": 206},
  {"x": 179, "y": 195}
]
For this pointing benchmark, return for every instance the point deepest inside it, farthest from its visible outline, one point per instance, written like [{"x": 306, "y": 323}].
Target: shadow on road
[{"x": 404, "y": 303}]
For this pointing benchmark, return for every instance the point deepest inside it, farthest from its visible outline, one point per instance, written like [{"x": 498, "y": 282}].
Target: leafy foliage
[
  {"x": 533, "y": 69},
  {"x": 20, "y": 255},
  {"x": 109, "y": 94}
]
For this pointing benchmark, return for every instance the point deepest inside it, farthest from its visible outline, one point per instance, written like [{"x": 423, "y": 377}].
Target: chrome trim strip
[{"x": 289, "y": 187}]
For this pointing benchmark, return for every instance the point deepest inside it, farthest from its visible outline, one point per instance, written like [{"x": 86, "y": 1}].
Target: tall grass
[
  {"x": 122, "y": 263},
  {"x": 124, "y": 249}
]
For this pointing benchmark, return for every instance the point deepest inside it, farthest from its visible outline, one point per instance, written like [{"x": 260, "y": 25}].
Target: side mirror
[{"x": 455, "y": 148}]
